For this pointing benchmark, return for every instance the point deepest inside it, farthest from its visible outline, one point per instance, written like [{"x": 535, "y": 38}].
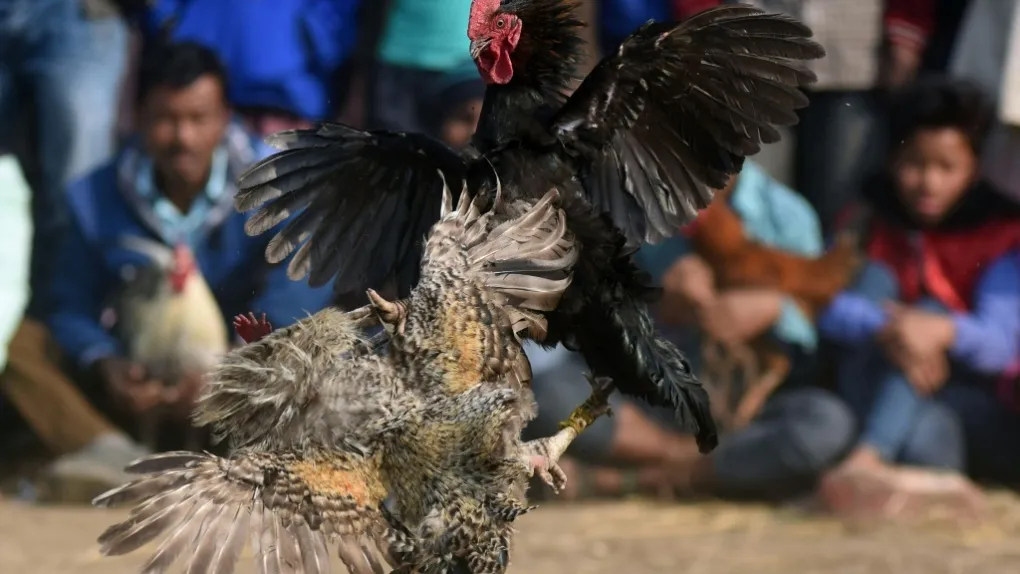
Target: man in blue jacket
[{"x": 173, "y": 184}]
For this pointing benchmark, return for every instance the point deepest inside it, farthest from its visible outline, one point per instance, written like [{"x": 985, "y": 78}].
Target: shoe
[{"x": 79, "y": 477}]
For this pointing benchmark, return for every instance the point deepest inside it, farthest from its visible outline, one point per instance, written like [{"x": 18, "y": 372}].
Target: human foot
[{"x": 865, "y": 491}]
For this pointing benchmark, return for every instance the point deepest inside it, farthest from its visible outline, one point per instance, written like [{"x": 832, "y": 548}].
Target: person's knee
[
  {"x": 936, "y": 440},
  {"x": 822, "y": 428},
  {"x": 877, "y": 283}
]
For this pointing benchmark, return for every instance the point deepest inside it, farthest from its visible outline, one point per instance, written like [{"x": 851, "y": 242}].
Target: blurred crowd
[{"x": 852, "y": 300}]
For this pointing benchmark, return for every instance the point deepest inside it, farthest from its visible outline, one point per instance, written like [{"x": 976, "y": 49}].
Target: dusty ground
[{"x": 631, "y": 537}]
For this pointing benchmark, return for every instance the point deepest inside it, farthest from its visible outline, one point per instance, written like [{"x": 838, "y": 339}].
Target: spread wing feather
[
  {"x": 315, "y": 392},
  {"x": 675, "y": 111},
  {"x": 365, "y": 200},
  {"x": 290, "y": 506}
]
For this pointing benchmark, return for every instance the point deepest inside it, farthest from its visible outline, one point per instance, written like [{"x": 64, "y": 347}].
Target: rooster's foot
[
  {"x": 541, "y": 457},
  {"x": 543, "y": 454},
  {"x": 252, "y": 329}
]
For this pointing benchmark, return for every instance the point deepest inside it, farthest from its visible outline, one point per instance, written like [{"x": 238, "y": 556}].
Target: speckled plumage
[{"x": 324, "y": 429}]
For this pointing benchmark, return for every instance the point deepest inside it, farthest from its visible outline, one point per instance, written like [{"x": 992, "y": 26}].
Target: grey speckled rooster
[{"x": 324, "y": 428}]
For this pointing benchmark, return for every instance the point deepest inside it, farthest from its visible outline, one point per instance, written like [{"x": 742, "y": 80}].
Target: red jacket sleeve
[
  {"x": 909, "y": 22},
  {"x": 683, "y": 9}
]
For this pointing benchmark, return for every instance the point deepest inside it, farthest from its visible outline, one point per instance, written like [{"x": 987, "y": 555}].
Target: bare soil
[{"x": 618, "y": 538}]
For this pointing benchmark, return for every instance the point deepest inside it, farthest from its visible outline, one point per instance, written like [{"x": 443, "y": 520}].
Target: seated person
[
  {"x": 934, "y": 319},
  {"x": 800, "y": 432},
  {"x": 172, "y": 185}
]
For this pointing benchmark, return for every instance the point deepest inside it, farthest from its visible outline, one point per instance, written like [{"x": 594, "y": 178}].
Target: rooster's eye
[{"x": 500, "y": 22}]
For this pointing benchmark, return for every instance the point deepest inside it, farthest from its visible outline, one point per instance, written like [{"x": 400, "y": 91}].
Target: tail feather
[
  {"x": 631, "y": 352},
  {"x": 526, "y": 262}
]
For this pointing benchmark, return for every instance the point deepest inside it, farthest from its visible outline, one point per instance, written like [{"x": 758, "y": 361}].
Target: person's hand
[
  {"x": 181, "y": 398},
  {"x": 899, "y": 66},
  {"x": 128, "y": 384},
  {"x": 739, "y": 315},
  {"x": 917, "y": 342},
  {"x": 688, "y": 288},
  {"x": 918, "y": 333},
  {"x": 927, "y": 374}
]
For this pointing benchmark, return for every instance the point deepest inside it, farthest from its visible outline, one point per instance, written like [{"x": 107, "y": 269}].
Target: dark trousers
[
  {"x": 405, "y": 99},
  {"x": 801, "y": 432}
]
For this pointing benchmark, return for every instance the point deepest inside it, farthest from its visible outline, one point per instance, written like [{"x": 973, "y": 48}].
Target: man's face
[{"x": 182, "y": 127}]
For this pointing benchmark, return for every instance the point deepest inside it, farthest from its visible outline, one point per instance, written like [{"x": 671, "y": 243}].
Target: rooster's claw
[{"x": 250, "y": 328}]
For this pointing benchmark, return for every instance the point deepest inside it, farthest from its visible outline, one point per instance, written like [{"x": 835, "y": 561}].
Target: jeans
[
  {"x": 963, "y": 426},
  {"x": 840, "y": 142},
  {"x": 800, "y": 432},
  {"x": 408, "y": 99},
  {"x": 70, "y": 68}
]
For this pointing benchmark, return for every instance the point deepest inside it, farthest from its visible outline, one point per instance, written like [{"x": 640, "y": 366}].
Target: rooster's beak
[{"x": 478, "y": 45}]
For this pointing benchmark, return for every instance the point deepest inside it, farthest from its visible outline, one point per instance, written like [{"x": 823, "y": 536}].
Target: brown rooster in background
[
  {"x": 170, "y": 323},
  {"x": 738, "y": 261}
]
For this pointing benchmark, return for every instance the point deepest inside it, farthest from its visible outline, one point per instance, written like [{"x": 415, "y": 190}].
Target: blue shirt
[
  {"x": 426, "y": 34},
  {"x": 280, "y": 54},
  {"x": 183, "y": 227},
  {"x": 987, "y": 338},
  {"x": 106, "y": 205}
]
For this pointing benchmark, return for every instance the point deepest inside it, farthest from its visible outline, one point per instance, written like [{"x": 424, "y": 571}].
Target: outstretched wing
[
  {"x": 315, "y": 382},
  {"x": 367, "y": 199},
  {"x": 675, "y": 111},
  {"x": 291, "y": 507}
]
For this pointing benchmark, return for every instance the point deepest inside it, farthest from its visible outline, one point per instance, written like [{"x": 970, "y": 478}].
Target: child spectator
[{"x": 934, "y": 319}]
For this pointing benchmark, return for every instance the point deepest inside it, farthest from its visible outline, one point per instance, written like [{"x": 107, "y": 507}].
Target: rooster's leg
[
  {"x": 542, "y": 455},
  {"x": 618, "y": 339}
]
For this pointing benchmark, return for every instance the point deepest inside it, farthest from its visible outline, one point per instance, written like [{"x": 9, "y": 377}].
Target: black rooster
[{"x": 636, "y": 150}]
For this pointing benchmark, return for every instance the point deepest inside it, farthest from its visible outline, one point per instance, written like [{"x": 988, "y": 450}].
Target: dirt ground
[{"x": 628, "y": 537}]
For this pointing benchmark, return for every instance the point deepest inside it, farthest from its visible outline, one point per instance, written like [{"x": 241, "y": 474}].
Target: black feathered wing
[
  {"x": 665, "y": 120},
  {"x": 364, "y": 200}
]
